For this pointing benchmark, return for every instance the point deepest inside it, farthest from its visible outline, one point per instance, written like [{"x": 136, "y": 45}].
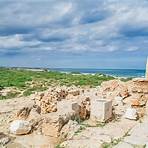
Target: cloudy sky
[{"x": 74, "y": 33}]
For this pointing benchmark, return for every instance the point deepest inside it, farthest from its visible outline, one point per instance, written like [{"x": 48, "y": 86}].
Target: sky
[{"x": 74, "y": 33}]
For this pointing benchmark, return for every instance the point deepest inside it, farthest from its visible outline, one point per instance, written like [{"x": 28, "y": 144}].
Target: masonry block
[{"x": 100, "y": 110}]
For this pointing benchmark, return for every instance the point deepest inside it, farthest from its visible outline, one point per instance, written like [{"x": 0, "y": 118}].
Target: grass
[
  {"x": 9, "y": 95},
  {"x": 115, "y": 141},
  {"x": 18, "y": 78},
  {"x": 30, "y": 91},
  {"x": 80, "y": 130},
  {"x": 34, "y": 81},
  {"x": 58, "y": 146}
]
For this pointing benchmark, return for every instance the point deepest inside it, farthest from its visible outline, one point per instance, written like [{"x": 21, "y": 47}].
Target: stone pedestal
[{"x": 101, "y": 110}]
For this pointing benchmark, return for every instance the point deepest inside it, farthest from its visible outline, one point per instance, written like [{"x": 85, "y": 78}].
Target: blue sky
[{"x": 74, "y": 33}]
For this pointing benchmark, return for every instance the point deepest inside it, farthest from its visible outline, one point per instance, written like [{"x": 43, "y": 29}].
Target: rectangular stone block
[
  {"x": 100, "y": 110},
  {"x": 68, "y": 107}
]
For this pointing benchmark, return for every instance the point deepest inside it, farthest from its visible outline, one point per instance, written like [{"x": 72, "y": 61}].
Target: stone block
[
  {"x": 68, "y": 107},
  {"x": 101, "y": 110}
]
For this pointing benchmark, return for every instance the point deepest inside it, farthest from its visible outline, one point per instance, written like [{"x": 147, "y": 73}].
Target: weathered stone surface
[
  {"x": 118, "y": 101},
  {"x": 69, "y": 130},
  {"x": 74, "y": 92},
  {"x": 138, "y": 86},
  {"x": 84, "y": 107},
  {"x": 68, "y": 107},
  {"x": 139, "y": 134},
  {"x": 54, "y": 121},
  {"x": 101, "y": 110},
  {"x": 23, "y": 113},
  {"x": 113, "y": 88},
  {"x": 131, "y": 114},
  {"x": 47, "y": 102},
  {"x": 124, "y": 145},
  {"x": 35, "y": 141},
  {"x": 136, "y": 100},
  {"x": 54, "y": 109},
  {"x": 20, "y": 127},
  {"x": 83, "y": 143},
  {"x": 4, "y": 139}
]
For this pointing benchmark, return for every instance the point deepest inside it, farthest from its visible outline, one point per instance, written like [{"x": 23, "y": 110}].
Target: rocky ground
[{"x": 62, "y": 117}]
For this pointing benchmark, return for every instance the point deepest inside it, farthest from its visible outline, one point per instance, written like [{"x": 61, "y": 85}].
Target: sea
[{"x": 112, "y": 72}]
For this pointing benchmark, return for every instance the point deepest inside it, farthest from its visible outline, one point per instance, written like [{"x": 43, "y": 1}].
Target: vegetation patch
[
  {"x": 80, "y": 130},
  {"x": 29, "y": 81},
  {"x": 9, "y": 95}
]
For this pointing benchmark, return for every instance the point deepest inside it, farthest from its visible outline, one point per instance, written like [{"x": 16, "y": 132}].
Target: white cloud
[{"x": 74, "y": 26}]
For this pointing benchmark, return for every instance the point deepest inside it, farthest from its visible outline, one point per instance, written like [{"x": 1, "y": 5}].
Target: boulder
[
  {"x": 69, "y": 130},
  {"x": 20, "y": 127},
  {"x": 136, "y": 99},
  {"x": 54, "y": 122},
  {"x": 131, "y": 113},
  {"x": 135, "y": 102}
]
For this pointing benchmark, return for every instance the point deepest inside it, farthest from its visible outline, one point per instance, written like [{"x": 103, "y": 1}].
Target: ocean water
[{"x": 113, "y": 72}]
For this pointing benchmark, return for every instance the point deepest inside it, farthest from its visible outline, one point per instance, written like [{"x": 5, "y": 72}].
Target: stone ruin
[{"x": 54, "y": 108}]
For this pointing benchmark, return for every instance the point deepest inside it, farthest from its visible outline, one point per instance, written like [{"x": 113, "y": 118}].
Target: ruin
[{"x": 101, "y": 110}]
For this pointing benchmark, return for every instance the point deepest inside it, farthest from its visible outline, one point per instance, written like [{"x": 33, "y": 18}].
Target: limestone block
[
  {"x": 68, "y": 107},
  {"x": 101, "y": 110}
]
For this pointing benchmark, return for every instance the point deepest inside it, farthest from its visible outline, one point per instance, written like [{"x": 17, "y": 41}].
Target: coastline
[{"x": 117, "y": 73}]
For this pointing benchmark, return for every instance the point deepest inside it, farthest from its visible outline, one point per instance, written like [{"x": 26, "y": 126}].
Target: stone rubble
[
  {"x": 55, "y": 111},
  {"x": 69, "y": 129}
]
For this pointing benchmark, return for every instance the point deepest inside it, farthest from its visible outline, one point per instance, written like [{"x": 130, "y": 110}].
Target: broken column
[{"x": 100, "y": 110}]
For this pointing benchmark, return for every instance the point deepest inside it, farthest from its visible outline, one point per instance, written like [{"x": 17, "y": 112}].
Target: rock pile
[
  {"x": 138, "y": 89},
  {"x": 133, "y": 94},
  {"x": 114, "y": 88},
  {"x": 48, "y": 100},
  {"x": 54, "y": 109}
]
